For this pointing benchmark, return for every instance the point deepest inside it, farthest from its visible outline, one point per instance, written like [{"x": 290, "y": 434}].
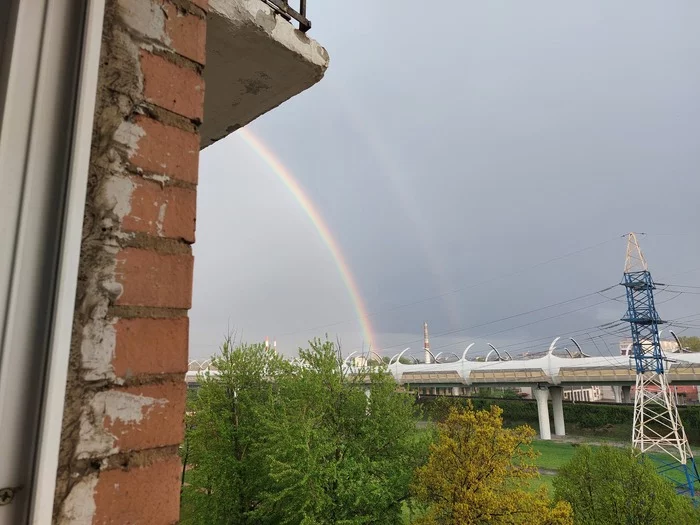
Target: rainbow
[
  {"x": 367, "y": 129},
  {"x": 321, "y": 227}
]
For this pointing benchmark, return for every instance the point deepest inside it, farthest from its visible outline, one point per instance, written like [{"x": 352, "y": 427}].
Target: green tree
[
  {"x": 224, "y": 427},
  {"x": 478, "y": 472},
  {"x": 690, "y": 342},
  {"x": 288, "y": 443},
  {"x": 615, "y": 486}
]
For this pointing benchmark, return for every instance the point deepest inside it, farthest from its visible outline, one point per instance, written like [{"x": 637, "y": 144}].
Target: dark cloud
[{"x": 460, "y": 145}]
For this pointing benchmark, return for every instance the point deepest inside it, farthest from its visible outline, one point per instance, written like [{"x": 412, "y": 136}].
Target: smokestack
[
  {"x": 267, "y": 343},
  {"x": 274, "y": 345},
  {"x": 426, "y": 342}
]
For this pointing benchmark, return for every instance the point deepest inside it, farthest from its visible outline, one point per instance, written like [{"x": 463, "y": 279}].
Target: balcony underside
[{"x": 255, "y": 61}]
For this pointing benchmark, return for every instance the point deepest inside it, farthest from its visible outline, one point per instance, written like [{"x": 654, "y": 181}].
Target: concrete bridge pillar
[
  {"x": 558, "y": 409},
  {"x": 617, "y": 393},
  {"x": 626, "y": 393},
  {"x": 542, "y": 395}
]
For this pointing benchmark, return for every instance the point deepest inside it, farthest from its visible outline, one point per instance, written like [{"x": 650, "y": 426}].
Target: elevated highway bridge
[
  {"x": 550, "y": 370},
  {"x": 547, "y": 376}
]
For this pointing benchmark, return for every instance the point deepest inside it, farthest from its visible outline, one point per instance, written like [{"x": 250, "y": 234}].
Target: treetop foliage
[
  {"x": 616, "y": 486},
  {"x": 690, "y": 342},
  {"x": 272, "y": 441},
  {"x": 478, "y": 472},
  {"x": 278, "y": 442}
]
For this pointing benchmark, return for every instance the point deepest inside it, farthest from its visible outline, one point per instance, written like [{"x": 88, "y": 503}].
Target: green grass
[
  {"x": 544, "y": 480},
  {"x": 553, "y": 455},
  {"x": 675, "y": 475}
]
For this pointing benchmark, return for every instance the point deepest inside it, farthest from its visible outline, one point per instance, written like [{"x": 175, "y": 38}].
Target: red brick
[
  {"x": 151, "y": 346},
  {"x": 187, "y": 32},
  {"x": 162, "y": 420},
  {"x": 176, "y": 88},
  {"x": 163, "y": 211},
  {"x": 166, "y": 150},
  {"x": 143, "y": 495},
  {"x": 153, "y": 279}
]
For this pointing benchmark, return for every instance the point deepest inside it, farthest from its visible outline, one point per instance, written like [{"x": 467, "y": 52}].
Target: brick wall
[{"x": 125, "y": 398}]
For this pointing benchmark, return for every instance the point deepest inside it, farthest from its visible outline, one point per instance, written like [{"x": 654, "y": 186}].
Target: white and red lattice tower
[
  {"x": 657, "y": 428},
  {"x": 426, "y": 343}
]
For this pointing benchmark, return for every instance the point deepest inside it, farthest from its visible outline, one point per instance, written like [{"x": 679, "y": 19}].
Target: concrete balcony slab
[{"x": 255, "y": 61}]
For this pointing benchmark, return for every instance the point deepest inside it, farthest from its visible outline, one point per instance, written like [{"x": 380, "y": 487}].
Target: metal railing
[{"x": 288, "y": 12}]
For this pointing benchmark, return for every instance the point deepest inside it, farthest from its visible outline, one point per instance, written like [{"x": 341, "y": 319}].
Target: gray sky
[{"x": 465, "y": 148}]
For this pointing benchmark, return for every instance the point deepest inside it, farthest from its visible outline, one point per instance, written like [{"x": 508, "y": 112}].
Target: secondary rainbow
[{"x": 317, "y": 220}]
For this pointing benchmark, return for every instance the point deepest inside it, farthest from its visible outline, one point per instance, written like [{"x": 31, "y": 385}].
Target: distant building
[
  {"x": 607, "y": 393},
  {"x": 668, "y": 347},
  {"x": 524, "y": 392},
  {"x": 686, "y": 394},
  {"x": 587, "y": 394},
  {"x": 359, "y": 362},
  {"x": 584, "y": 394}
]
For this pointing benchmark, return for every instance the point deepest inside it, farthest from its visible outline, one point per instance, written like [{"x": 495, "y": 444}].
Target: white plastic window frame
[{"x": 48, "y": 82}]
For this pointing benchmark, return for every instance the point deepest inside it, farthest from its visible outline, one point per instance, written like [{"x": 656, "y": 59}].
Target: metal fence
[{"x": 289, "y": 13}]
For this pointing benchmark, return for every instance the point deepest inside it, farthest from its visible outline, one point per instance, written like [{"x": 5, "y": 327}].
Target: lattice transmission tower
[{"x": 657, "y": 426}]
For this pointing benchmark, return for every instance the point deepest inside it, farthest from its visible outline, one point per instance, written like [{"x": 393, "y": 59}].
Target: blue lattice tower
[{"x": 657, "y": 428}]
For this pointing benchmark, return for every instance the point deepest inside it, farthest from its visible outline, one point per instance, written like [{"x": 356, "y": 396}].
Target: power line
[
  {"x": 455, "y": 291},
  {"x": 606, "y": 345},
  {"x": 527, "y": 324},
  {"x": 518, "y": 347},
  {"x": 670, "y": 298},
  {"x": 618, "y": 328},
  {"x": 592, "y": 339},
  {"x": 573, "y": 332},
  {"x": 610, "y": 298},
  {"x": 450, "y": 332},
  {"x": 548, "y": 340},
  {"x": 589, "y": 338},
  {"x": 687, "y": 316}
]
